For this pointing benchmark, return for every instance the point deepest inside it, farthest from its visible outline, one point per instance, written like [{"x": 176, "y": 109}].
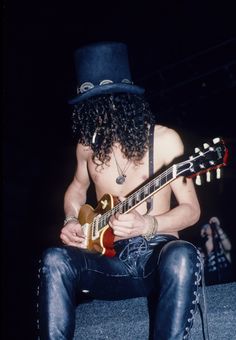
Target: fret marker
[
  {"x": 130, "y": 202},
  {"x": 174, "y": 172}
]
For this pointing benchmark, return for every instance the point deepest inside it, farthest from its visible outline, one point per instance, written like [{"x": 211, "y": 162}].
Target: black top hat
[{"x": 103, "y": 68}]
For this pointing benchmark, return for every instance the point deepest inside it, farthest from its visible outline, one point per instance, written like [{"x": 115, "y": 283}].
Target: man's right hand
[{"x": 72, "y": 234}]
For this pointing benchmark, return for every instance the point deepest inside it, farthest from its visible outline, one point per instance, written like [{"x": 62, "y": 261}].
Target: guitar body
[{"x": 102, "y": 241}]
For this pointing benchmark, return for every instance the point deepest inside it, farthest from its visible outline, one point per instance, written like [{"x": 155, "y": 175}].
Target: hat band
[{"x": 86, "y": 86}]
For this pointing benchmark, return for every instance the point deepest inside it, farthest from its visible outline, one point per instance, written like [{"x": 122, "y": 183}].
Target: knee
[
  {"x": 57, "y": 260},
  {"x": 53, "y": 257},
  {"x": 179, "y": 258}
]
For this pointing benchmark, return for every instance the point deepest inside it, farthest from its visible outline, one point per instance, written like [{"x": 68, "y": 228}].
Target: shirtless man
[{"x": 112, "y": 121}]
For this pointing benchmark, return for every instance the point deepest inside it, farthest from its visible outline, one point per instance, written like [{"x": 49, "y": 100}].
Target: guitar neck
[{"x": 139, "y": 196}]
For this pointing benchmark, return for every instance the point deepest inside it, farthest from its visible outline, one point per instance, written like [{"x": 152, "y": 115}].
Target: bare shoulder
[
  {"x": 83, "y": 152},
  {"x": 81, "y": 174},
  {"x": 168, "y": 143}
]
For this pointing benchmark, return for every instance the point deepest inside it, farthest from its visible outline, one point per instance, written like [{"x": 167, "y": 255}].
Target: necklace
[{"x": 121, "y": 178}]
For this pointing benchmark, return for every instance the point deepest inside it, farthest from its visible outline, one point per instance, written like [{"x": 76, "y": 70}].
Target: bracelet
[
  {"x": 70, "y": 218},
  {"x": 153, "y": 228}
]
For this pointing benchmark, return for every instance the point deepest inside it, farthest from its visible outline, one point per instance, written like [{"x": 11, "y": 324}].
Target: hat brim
[{"x": 107, "y": 89}]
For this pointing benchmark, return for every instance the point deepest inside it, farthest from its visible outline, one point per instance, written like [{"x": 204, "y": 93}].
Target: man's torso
[{"x": 104, "y": 177}]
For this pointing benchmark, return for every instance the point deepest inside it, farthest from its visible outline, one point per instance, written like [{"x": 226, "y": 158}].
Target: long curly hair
[{"x": 103, "y": 120}]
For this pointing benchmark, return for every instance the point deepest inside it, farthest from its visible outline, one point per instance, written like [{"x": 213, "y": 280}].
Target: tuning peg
[
  {"x": 198, "y": 180},
  {"x": 216, "y": 140},
  {"x": 206, "y": 146},
  {"x": 218, "y": 173},
  {"x": 197, "y": 150},
  {"x": 208, "y": 176}
]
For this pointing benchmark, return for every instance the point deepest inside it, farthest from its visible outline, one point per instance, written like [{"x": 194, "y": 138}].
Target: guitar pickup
[{"x": 85, "y": 228}]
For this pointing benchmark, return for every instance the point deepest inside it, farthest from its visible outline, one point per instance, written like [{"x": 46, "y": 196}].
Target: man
[
  {"x": 112, "y": 123},
  {"x": 216, "y": 248}
]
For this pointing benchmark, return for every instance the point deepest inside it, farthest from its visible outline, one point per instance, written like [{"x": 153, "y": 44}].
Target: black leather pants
[{"x": 165, "y": 269}]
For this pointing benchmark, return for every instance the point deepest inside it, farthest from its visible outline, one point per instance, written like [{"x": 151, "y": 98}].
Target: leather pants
[{"x": 165, "y": 269}]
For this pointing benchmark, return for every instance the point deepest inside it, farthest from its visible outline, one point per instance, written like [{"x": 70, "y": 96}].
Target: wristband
[
  {"x": 70, "y": 218},
  {"x": 152, "y": 229}
]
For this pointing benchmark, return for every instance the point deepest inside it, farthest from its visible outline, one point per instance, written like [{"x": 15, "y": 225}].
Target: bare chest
[
  {"x": 119, "y": 177},
  {"x": 136, "y": 176}
]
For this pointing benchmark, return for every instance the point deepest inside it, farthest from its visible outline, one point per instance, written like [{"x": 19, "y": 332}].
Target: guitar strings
[
  {"x": 102, "y": 221},
  {"x": 119, "y": 207},
  {"x": 108, "y": 214}
]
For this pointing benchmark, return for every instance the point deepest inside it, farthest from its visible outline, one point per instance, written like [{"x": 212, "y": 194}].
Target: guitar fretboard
[{"x": 139, "y": 196}]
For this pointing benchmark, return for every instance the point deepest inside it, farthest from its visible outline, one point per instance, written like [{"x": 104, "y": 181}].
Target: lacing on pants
[{"x": 196, "y": 301}]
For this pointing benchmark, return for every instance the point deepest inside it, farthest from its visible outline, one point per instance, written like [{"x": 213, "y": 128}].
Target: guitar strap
[{"x": 151, "y": 167}]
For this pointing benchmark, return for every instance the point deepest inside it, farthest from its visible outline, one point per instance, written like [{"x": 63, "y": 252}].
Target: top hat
[{"x": 103, "y": 68}]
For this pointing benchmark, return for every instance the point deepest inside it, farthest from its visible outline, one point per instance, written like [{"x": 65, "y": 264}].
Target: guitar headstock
[{"x": 213, "y": 155}]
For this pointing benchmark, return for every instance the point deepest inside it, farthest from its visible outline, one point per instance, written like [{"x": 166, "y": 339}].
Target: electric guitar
[{"x": 98, "y": 234}]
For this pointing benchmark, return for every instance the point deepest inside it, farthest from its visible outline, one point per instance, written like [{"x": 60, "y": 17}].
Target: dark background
[{"x": 183, "y": 52}]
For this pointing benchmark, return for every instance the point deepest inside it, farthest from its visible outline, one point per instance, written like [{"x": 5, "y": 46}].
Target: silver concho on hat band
[
  {"x": 126, "y": 81},
  {"x": 86, "y": 86},
  {"x": 105, "y": 82}
]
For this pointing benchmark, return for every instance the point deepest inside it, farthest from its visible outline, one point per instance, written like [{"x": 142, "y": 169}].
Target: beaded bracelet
[
  {"x": 153, "y": 228},
  {"x": 70, "y": 218}
]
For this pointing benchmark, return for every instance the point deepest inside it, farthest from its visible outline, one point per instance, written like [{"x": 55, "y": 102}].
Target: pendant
[{"x": 120, "y": 179}]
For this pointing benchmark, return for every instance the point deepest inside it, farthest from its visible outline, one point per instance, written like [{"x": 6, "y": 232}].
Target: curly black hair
[{"x": 103, "y": 120}]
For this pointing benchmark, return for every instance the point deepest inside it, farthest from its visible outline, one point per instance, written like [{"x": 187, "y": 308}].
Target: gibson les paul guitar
[{"x": 98, "y": 234}]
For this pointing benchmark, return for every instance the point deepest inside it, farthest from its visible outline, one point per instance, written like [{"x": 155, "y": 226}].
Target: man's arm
[
  {"x": 75, "y": 197},
  {"x": 187, "y": 211}
]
